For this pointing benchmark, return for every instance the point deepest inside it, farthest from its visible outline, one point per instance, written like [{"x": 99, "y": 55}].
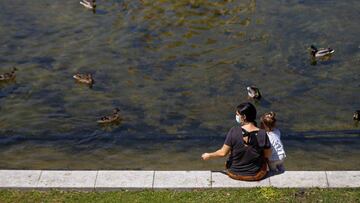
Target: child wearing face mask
[{"x": 276, "y": 161}]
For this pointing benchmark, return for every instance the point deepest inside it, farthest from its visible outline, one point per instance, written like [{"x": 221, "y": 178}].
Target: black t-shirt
[{"x": 246, "y": 159}]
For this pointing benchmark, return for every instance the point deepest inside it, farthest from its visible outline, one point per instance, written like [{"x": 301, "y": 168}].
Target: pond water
[{"x": 177, "y": 69}]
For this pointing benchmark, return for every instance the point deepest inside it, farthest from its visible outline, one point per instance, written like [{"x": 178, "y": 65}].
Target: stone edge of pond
[{"x": 107, "y": 180}]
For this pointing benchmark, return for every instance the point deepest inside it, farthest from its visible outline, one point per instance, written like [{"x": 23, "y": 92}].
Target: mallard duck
[
  {"x": 111, "y": 118},
  {"x": 317, "y": 53},
  {"x": 8, "y": 76},
  {"x": 84, "y": 78},
  {"x": 88, "y": 4},
  {"x": 254, "y": 92},
  {"x": 356, "y": 115}
]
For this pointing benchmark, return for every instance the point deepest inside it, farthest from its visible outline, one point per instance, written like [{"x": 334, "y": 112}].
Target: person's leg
[
  {"x": 272, "y": 165},
  {"x": 280, "y": 166}
]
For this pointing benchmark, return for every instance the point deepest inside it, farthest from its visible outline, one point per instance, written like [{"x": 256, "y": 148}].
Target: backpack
[{"x": 260, "y": 138}]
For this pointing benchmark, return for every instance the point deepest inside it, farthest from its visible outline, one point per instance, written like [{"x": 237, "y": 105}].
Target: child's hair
[{"x": 268, "y": 121}]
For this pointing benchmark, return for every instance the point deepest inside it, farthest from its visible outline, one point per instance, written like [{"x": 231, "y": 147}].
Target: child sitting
[{"x": 276, "y": 161}]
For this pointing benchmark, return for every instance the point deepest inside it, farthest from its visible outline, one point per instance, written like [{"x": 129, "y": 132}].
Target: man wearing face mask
[{"x": 248, "y": 147}]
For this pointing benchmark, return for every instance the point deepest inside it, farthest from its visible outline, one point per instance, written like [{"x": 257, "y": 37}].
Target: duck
[
  {"x": 317, "y": 53},
  {"x": 8, "y": 76},
  {"x": 111, "y": 118},
  {"x": 254, "y": 92},
  {"x": 89, "y": 4},
  {"x": 84, "y": 78},
  {"x": 356, "y": 115}
]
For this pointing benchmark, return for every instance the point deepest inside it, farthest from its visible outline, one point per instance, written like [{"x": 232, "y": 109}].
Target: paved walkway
[{"x": 115, "y": 180}]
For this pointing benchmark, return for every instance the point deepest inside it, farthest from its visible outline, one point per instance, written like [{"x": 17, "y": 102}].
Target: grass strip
[{"x": 266, "y": 194}]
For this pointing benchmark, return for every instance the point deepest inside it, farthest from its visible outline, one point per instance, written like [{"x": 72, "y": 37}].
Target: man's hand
[{"x": 205, "y": 156}]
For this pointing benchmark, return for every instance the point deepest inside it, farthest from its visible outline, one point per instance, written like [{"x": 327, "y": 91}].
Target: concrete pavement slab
[
  {"x": 220, "y": 180},
  {"x": 84, "y": 180},
  {"x": 299, "y": 179},
  {"x": 111, "y": 180},
  {"x": 19, "y": 178},
  {"x": 182, "y": 179},
  {"x": 340, "y": 179}
]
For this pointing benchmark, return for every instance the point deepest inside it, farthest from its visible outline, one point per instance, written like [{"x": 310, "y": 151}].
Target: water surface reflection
[{"x": 176, "y": 69}]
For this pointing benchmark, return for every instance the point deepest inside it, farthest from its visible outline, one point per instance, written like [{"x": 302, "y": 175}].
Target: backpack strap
[{"x": 261, "y": 137}]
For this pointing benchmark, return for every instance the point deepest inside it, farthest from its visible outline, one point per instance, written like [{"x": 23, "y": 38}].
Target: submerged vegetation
[{"x": 176, "y": 69}]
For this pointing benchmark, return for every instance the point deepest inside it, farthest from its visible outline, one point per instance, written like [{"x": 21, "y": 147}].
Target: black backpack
[{"x": 260, "y": 138}]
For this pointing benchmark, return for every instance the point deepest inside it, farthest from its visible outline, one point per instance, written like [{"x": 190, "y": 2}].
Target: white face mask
[{"x": 237, "y": 117}]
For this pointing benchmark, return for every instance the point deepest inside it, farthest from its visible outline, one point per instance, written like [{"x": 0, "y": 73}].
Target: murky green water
[{"x": 177, "y": 70}]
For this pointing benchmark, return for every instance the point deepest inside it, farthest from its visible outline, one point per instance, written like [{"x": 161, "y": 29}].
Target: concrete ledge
[
  {"x": 112, "y": 180},
  {"x": 299, "y": 179},
  {"x": 182, "y": 179},
  {"x": 115, "y": 180},
  {"x": 23, "y": 179},
  {"x": 340, "y": 179},
  {"x": 220, "y": 180},
  {"x": 84, "y": 180}
]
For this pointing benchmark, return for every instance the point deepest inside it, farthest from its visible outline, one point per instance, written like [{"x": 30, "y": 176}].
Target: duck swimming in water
[
  {"x": 89, "y": 4},
  {"x": 317, "y": 53},
  {"x": 8, "y": 76},
  {"x": 111, "y": 118},
  {"x": 253, "y": 92},
  {"x": 84, "y": 78},
  {"x": 356, "y": 115}
]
